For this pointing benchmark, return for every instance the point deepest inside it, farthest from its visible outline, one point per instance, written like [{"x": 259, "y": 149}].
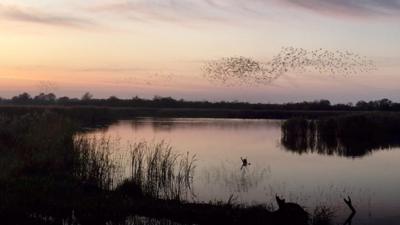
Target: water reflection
[
  {"x": 307, "y": 178},
  {"x": 307, "y": 139},
  {"x": 170, "y": 124},
  {"x": 235, "y": 179},
  {"x": 131, "y": 220},
  {"x": 140, "y": 220}
]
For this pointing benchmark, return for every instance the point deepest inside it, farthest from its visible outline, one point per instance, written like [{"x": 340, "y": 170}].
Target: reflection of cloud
[{"x": 31, "y": 15}]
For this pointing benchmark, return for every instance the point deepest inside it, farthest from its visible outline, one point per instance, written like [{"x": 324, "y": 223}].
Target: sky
[{"x": 144, "y": 48}]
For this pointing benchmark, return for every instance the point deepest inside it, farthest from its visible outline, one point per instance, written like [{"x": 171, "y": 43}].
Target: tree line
[{"x": 88, "y": 99}]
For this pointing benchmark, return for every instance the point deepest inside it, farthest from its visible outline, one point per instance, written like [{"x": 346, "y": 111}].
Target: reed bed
[
  {"x": 94, "y": 165},
  {"x": 159, "y": 172}
]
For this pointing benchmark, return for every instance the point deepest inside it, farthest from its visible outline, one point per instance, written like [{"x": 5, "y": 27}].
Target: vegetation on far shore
[
  {"x": 89, "y": 111},
  {"x": 168, "y": 102}
]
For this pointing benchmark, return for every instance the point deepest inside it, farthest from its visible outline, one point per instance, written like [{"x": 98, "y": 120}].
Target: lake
[{"x": 310, "y": 178}]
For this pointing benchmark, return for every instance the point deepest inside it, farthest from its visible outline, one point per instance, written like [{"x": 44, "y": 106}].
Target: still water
[{"x": 310, "y": 178}]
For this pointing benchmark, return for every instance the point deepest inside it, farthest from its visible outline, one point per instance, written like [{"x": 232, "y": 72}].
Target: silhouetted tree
[
  {"x": 87, "y": 96},
  {"x": 22, "y": 98},
  {"x": 112, "y": 99},
  {"x": 384, "y": 104},
  {"x": 160, "y": 101},
  {"x": 362, "y": 105},
  {"x": 63, "y": 100},
  {"x": 45, "y": 98}
]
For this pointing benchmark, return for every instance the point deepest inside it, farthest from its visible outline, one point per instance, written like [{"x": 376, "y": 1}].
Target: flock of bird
[
  {"x": 239, "y": 70},
  {"x": 148, "y": 79},
  {"x": 47, "y": 86}
]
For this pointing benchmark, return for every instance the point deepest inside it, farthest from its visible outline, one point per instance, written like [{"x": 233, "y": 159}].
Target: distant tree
[
  {"x": 63, "y": 100},
  {"x": 22, "y": 98},
  {"x": 112, "y": 99},
  {"x": 385, "y": 104},
  {"x": 45, "y": 98},
  {"x": 87, "y": 96},
  {"x": 362, "y": 105},
  {"x": 157, "y": 98},
  {"x": 373, "y": 105},
  {"x": 74, "y": 100},
  {"x": 39, "y": 97},
  {"x": 165, "y": 101},
  {"x": 324, "y": 104}
]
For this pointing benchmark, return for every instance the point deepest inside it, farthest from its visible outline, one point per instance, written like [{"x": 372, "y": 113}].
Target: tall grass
[
  {"x": 158, "y": 172},
  {"x": 322, "y": 215},
  {"x": 94, "y": 165},
  {"x": 44, "y": 170},
  {"x": 35, "y": 144}
]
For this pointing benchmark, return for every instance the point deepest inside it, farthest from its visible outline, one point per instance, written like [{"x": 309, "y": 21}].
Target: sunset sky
[{"x": 157, "y": 47}]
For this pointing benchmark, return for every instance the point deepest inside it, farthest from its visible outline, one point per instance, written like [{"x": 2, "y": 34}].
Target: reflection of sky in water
[{"x": 310, "y": 179}]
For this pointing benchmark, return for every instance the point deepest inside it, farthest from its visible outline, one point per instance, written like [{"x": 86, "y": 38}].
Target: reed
[
  {"x": 322, "y": 215},
  {"x": 93, "y": 163},
  {"x": 158, "y": 172}
]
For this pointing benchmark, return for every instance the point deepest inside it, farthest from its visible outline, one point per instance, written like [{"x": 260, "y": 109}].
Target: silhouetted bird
[{"x": 245, "y": 163}]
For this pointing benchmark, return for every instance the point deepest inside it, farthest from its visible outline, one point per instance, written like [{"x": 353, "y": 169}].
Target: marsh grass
[
  {"x": 35, "y": 144},
  {"x": 159, "y": 172},
  {"x": 322, "y": 215},
  {"x": 94, "y": 165}
]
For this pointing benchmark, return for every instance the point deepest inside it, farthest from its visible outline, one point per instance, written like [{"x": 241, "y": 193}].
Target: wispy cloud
[
  {"x": 199, "y": 11},
  {"x": 32, "y": 15},
  {"x": 109, "y": 69},
  {"x": 349, "y": 8},
  {"x": 177, "y": 11},
  {"x": 192, "y": 11}
]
